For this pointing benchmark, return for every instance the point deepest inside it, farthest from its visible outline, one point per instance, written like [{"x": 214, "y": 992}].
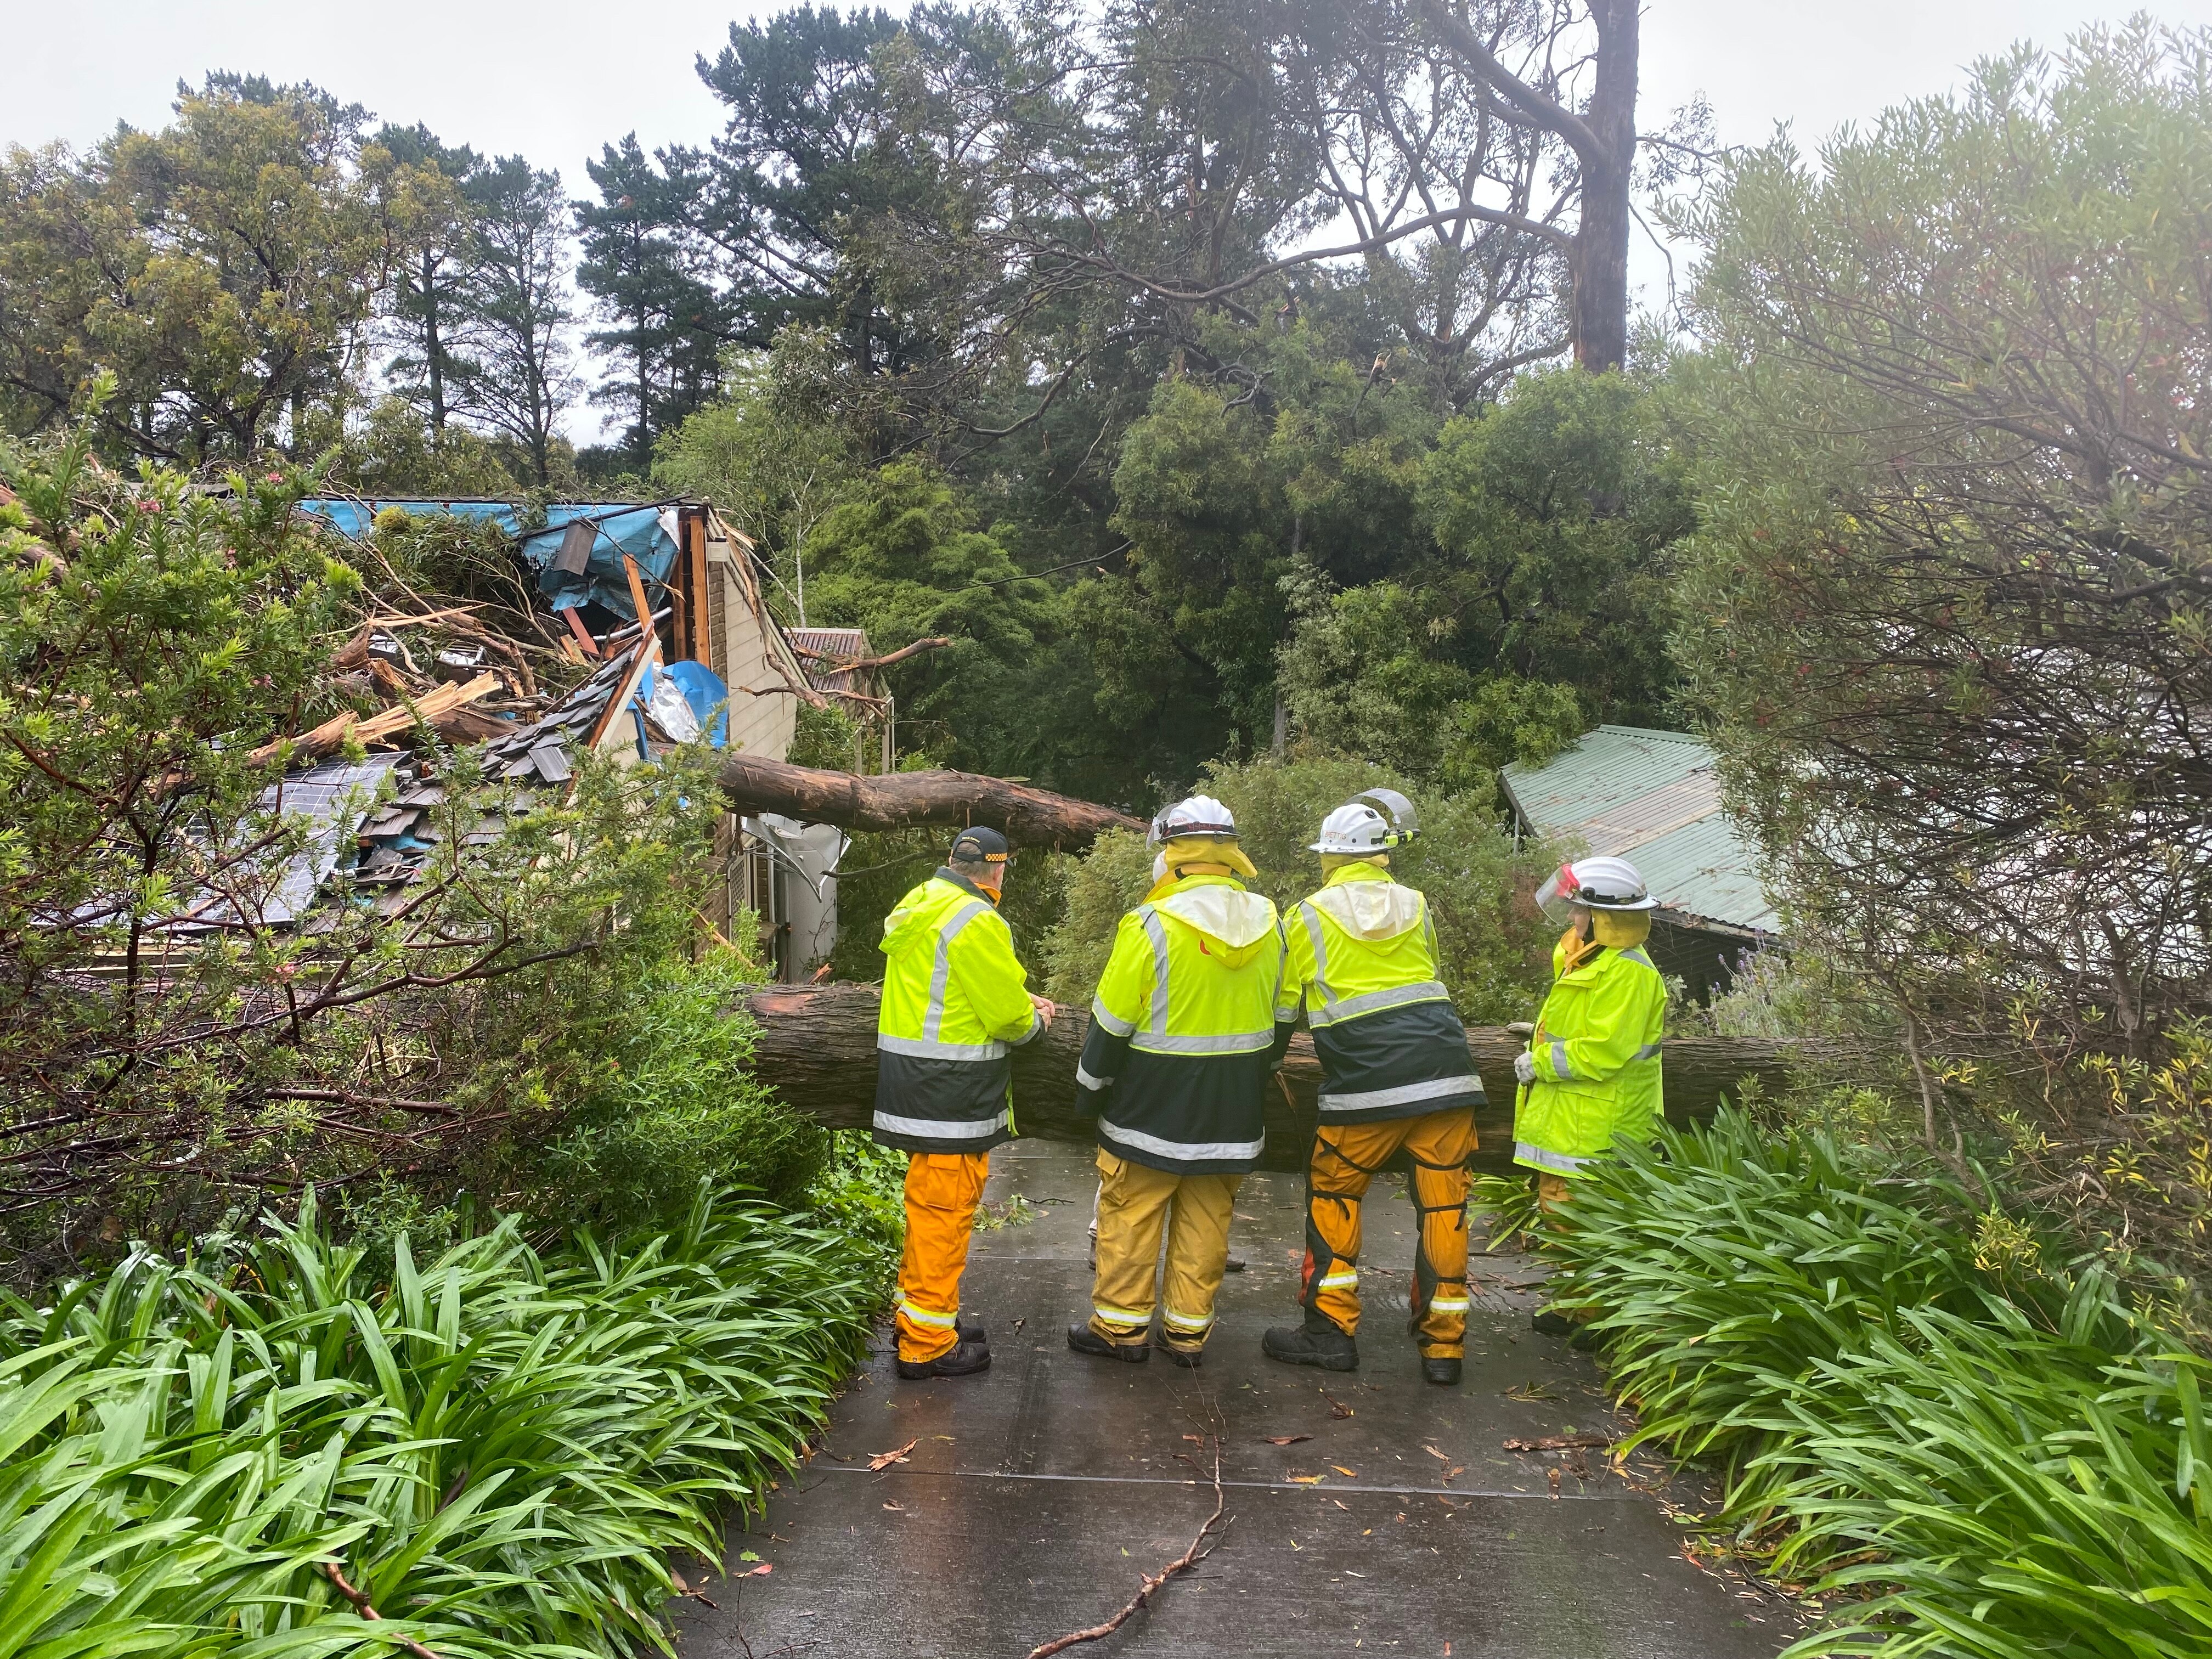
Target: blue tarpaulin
[{"x": 645, "y": 533}]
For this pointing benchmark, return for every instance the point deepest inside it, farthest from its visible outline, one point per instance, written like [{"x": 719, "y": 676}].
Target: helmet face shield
[
  {"x": 1555, "y": 897},
  {"x": 1595, "y": 883}
]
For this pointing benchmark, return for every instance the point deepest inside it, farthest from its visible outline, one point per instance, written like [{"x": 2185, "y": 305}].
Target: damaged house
[{"x": 663, "y": 603}]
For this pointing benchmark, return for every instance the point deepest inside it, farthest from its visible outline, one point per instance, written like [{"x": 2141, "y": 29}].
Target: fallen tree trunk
[
  {"x": 817, "y": 1047},
  {"x": 900, "y": 800}
]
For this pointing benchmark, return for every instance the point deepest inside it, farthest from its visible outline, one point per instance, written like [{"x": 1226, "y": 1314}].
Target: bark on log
[
  {"x": 900, "y": 800},
  {"x": 817, "y": 1047}
]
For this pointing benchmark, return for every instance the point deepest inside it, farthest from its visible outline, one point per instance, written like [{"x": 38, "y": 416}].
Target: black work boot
[
  {"x": 971, "y": 1330},
  {"x": 963, "y": 1358},
  {"x": 1189, "y": 1359},
  {"x": 1234, "y": 1265},
  {"x": 1316, "y": 1342},
  {"x": 1083, "y": 1339},
  {"x": 1442, "y": 1371}
]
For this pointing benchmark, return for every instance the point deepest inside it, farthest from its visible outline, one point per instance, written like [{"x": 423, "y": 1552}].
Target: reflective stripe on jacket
[
  {"x": 1364, "y": 952},
  {"x": 1183, "y": 1029},
  {"x": 955, "y": 999},
  {"x": 1596, "y": 1055}
]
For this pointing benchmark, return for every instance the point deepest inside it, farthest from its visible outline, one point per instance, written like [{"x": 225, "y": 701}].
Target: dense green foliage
[
  {"x": 170, "y": 1042},
  {"x": 1979, "y": 1452},
  {"x": 501, "y": 1449},
  {"x": 1947, "y": 613}
]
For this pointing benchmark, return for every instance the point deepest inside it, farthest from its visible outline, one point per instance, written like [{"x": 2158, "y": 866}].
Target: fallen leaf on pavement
[
  {"x": 884, "y": 1459},
  {"x": 1306, "y": 1479},
  {"x": 1555, "y": 1474},
  {"x": 1349, "y": 1475},
  {"x": 1529, "y": 1391},
  {"x": 895, "y": 1509},
  {"x": 1337, "y": 1408},
  {"x": 1285, "y": 1439},
  {"x": 1456, "y": 1469},
  {"x": 760, "y": 1571},
  {"x": 1341, "y": 1504},
  {"x": 1434, "y": 1453},
  {"x": 1560, "y": 1443}
]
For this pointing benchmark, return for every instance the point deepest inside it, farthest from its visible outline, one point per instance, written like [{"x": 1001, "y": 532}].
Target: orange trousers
[
  {"x": 942, "y": 1191},
  {"x": 1346, "y": 1157}
]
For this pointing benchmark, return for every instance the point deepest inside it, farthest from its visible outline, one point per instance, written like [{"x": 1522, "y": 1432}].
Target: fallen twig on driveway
[
  {"x": 1189, "y": 1558},
  {"x": 1562, "y": 1443}
]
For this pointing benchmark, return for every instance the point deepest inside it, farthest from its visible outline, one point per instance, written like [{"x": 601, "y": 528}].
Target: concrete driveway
[{"x": 1037, "y": 1496}]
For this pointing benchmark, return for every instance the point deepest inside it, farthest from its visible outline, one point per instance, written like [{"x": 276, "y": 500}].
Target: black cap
[{"x": 980, "y": 845}]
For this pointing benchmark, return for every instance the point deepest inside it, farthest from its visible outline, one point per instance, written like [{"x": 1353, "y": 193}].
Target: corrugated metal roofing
[
  {"x": 819, "y": 647},
  {"x": 1654, "y": 798}
]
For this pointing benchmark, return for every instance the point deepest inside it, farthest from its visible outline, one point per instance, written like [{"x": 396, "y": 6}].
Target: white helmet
[
  {"x": 1360, "y": 827},
  {"x": 1197, "y": 815},
  {"x": 1599, "y": 883}
]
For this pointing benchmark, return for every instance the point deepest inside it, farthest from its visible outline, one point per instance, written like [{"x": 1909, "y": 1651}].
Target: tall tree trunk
[
  {"x": 1601, "y": 301},
  {"x": 433, "y": 348}
]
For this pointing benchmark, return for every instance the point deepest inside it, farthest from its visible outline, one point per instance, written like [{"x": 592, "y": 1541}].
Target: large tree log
[
  {"x": 900, "y": 800},
  {"x": 817, "y": 1047}
]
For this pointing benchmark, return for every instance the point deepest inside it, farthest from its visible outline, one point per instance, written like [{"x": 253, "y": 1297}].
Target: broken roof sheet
[
  {"x": 1652, "y": 797},
  {"x": 644, "y": 531},
  {"x": 821, "y": 649}
]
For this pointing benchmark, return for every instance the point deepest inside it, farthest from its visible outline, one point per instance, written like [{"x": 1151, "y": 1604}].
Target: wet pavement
[{"x": 1036, "y": 1497}]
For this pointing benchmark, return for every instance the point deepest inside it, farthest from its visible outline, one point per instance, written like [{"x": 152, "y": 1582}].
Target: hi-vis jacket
[
  {"x": 1365, "y": 951},
  {"x": 1183, "y": 1029},
  {"x": 1596, "y": 1051},
  {"x": 955, "y": 1000}
]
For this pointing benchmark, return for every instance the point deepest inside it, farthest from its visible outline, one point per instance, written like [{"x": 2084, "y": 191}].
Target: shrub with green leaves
[
  {"x": 499, "y": 1449},
  {"x": 1981, "y": 1455}
]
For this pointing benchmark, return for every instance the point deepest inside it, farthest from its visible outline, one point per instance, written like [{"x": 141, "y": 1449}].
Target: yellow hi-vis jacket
[
  {"x": 955, "y": 1000},
  {"x": 1184, "y": 1033},
  {"x": 1596, "y": 1053},
  {"x": 1364, "y": 951}
]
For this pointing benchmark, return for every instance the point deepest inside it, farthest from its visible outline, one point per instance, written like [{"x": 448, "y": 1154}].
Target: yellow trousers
[
  {"x": 942, "y": 1190},
  {"x": 1346, "y": 1157},
  {"x": 1135, "y": 1203},
  {"x": 1552, "y": 1192}
]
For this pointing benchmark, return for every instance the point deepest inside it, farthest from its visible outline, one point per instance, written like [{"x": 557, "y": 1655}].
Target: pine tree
[{"x": 642, "y": 267}]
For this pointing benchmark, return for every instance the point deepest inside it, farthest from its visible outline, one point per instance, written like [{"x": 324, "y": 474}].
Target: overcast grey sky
[{"x": 554, "y": 79}]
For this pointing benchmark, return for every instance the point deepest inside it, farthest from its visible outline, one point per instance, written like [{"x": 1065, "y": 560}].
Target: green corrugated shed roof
[{"x": 1652, "y": 797}]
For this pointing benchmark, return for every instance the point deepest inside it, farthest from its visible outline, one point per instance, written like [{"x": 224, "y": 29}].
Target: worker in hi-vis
[
  {"x": 1183, "y": 1039},
  {"x": 955, "y": 1001},
  {"x": 1396, "y": 1079},
  {"x": 1590, "y": 1074}
]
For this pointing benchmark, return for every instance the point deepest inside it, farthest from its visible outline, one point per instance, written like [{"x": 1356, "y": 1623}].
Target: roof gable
[{"x": 1653, "y": 798}]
